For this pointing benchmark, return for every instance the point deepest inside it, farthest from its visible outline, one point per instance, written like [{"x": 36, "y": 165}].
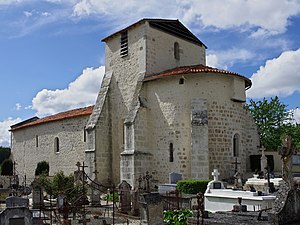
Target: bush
[
  {"x": 111, "y": 197},
  {"x": 42, "y": 168},
  {"x": 7, "y": 167},
  {"x": 176, "y": 217},
  {"x": 61, "y": 184},
  {"x": 192, "y": 186}
]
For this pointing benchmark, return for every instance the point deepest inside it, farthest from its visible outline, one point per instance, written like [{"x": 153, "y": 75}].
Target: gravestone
[
  {"x": 37, "y": 195},
  {"x": 151, "y": 209},
  {"x": 95, "y": 197},
  {"x": 135, "y": 202},
  {"x": 125, "y": 196},
  {"x": 174, "y": 177},
  {"x": 16, "y": 216},
  {"x": 215, "y": 183},
  {"x": 13, "y": 202},
  {"x": 60, "y": 202}
]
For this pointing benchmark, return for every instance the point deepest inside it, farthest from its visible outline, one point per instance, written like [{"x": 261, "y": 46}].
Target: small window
[
  {"x": 181, "y": 80},
  {"x": 36, "y": 140},
  {"x": 236, "y": 145},
  {"x": 176, "y": 51},
  {"x": 56, "y": 145},
  {"x": 171, "y": 153},
  {"x": 124, "y": 44},
  {"x": 84, "y": 135}
]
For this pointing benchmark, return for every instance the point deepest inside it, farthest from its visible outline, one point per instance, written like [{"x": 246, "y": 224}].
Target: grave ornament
[{"x": 263, "y": 162}]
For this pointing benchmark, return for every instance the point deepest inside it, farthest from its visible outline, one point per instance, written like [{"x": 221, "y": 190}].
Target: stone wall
[
  {"x": 27, "y": 153},
  {"x": 169, "y": 121},
  {"x": 160, "y": 52},
  {"x": 225, "y": 120}
]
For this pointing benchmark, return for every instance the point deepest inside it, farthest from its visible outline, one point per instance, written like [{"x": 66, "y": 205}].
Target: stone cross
[
  {"x": 140, "y": 180},
  {"x": 235, "y": 165},
  {"x": 147, "y": 177},
  {"x": 215, "y": 174}
]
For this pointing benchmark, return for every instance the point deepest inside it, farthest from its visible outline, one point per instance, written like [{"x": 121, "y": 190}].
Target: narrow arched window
[
  {"x": 84, "y": 135},
  {"x": 36, "y": 140},
  {"x": 181, "y": 80},
  {"x": 171, "y": 152},
  {"x": 176, "y": 51},
  {"x": 56, "y": 145},
  {"x": 236, "y": 145}
]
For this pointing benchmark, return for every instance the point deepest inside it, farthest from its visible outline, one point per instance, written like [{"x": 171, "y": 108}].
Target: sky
[{"x": 52, "y": 58}]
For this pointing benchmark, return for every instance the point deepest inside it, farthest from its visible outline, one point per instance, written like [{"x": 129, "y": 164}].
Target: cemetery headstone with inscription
[{"x": 125, "y": 196}]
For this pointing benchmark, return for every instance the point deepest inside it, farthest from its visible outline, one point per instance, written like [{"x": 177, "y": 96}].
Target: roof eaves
[
  {"x": 195, "y": 69},
  {"x": 57, "y": 117}
]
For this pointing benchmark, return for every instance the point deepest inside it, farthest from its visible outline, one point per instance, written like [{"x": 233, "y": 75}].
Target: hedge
[{"x": 192, "y": 186}]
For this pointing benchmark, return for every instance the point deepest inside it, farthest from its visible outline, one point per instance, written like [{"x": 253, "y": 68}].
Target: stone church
[{"x": 159, "y": 109}]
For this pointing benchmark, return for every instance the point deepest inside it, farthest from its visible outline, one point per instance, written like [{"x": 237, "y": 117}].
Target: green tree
[
  {"x": 42, "y": 168},
  {"x": 61, "y": 184},
  {"x": 272, "y": 118},
  {"x": 7, "y": 167}
]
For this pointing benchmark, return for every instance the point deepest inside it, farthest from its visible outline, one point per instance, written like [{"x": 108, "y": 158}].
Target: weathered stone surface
[
  {"x": 71, "y": 146},
  {"x": 286, "y": 210},
  {"x": 16, "y": 216},
  {"x": 151, "y": 209}
]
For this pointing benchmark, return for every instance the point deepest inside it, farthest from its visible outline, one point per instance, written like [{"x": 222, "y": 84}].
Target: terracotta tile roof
[
  {"x": 195, "y": 69},
  {"x": 59, "y": 116}
]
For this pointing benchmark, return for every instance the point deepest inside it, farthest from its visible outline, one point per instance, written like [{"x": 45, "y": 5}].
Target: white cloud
[
  {"x": 279, "y": 76},
  {"x": 212, "y": 60},
  {"x": 27, "y": 14},
  {"x": 296, "y": 113},
  {"x": 4, "y": 127},
  {"x": 9, "y": 2},
  {"x": 255, "y": 14},
  {"x": 226, "y": 59},
  {"x": 18, "y": 106},
  {"x": 45, "y": 14},
  {"x": 80, "y": 93}
]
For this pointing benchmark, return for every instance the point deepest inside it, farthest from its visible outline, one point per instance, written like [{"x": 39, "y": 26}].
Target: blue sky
[{"x": 52, "y": 58}]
